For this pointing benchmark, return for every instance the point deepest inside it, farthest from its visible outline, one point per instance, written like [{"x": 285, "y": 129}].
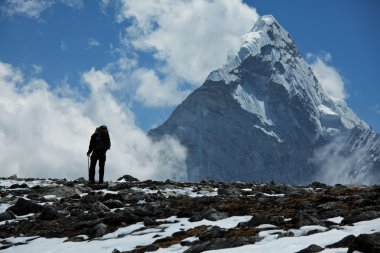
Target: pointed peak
[{"x": 266, "y": 22}]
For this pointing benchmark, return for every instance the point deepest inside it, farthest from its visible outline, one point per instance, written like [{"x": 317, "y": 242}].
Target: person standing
[{"x": 99, "y": 144}]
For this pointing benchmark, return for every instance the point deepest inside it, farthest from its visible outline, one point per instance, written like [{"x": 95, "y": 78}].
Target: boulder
[
  {"x": 360, "y": 216},
  {"x": 304, "y": 219},
  {"x": 100, "y": 229},
  {"x": 221, "y": 243},
  {"x": 8, "y": 215},
  {"x": 99, "y": 207},
  {"x": 48, "y": 213},
  {"x": 344, "y": 243},
  {"x": 113, "y": 203},
  {"x": 23, "y": 207},
  {"x": 210, "y": 214},
  {"x": 128, "y": 178},
  {"x": 368, "y": 243},
  {"x": 62, "y": 191},
  {"x": 311, "y": 249}
]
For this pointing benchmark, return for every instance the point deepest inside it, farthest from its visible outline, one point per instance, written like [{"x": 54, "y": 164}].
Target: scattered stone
[
  {"x": 259, "y": 219},
  {"x": 344, "y": 243},
  {"x": 69, "y": 184},
  {"x": 81, "y": 213},
  {"x": 113, "y": 203},
  {"x": 368, "y": 243},
  {"x": 128, "y": 178},
  {"x": 23, "y": 207},
  {"x": 62, "y": 191},
  {"x": 311, "y": 249},
  {"x": 48, "y": 213},
  {"x": 109, "y": 196},
  {"x": 210, "y": 214},
  {"x": 149, "y": 222},
  {"x": 304, "y": 219},
  {"x": 100, "y": 229},
  {"x": 361, "y": 216},
  {"x": 221, "y": 243},
  {"x": 99, "y": 207},
  {"x": 80, "y": 180},
  {"x": 7, "y": 215},
  {"x": 14, "y": 176},
  {"x": 18, "y": 186}
]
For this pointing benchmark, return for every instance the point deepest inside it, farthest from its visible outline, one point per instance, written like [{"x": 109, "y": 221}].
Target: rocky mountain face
[
  {"x": 128, "y": 215},
  {"x": 264, "y": 116}
]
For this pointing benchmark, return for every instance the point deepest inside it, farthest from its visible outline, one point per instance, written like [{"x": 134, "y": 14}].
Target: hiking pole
[{"x": 88, "y": 165}]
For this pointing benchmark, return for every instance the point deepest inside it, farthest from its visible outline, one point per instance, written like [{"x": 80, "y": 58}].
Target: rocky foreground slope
[{"x": 142, "y": 216}]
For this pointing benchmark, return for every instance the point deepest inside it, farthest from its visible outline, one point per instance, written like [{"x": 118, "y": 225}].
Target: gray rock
[
  {"x": 149, "y": 222},
  {"x": 210, "y": 214},
  {"x": 360, "y": 216},
  {"x": 7, "y": 215},
  {"x": 344, "y": 243},
  {"x": 258, "y": 219},
  {"x": 99, "y": 207},
  {"x": 80, "y": 180},
  {"x": 62, "y": 191},
  {"x": 113, "y": 203},
  {"x": 311, "y": 249},
  {"x": 221, "y": 243},
  {"x": 368, "y": 243},
  {"x": 304, "y": 219},
  {"x": 100, "y": 229},
  {"x": 48, "y": 213},
  {"x": 128, "y": 178},
  {"x": 23, "y": 207}
]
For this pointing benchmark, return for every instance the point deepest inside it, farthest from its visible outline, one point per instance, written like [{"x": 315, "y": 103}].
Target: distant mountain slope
[{"x": 263, "y": 116}]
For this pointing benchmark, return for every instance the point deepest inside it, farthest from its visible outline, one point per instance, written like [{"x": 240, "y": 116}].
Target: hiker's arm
[{"x": 92, "y": 144}]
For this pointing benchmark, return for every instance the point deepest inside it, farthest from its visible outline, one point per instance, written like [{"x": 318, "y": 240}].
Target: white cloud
[
  {"x": 93, "y": 42},
  {"x": 188, "y": 39},
  {"x": 328, "y": 76},
  {"x": 37, "y": 69},
  {"x": 34, "y": 8},
  {"x": 152, "y": 92},
  {"x": 28, "y": 8},
  {"x": 63, "y": 45},
  {"x": 76, "y": 4},
  {"x": 47, "y": 135},
  {"x": 336, "y": 166}
]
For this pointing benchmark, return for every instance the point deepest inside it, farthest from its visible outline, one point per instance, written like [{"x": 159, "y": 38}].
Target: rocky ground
[{"x": 78, "y": 212}]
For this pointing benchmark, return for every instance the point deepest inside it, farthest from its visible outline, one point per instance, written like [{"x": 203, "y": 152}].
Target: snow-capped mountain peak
[{"x": 263, "y": 115}]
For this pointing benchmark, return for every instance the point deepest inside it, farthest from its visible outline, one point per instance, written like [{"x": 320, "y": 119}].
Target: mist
[
  {"x": 45, "y": 133},
  {"x": 337, "y": 166}
]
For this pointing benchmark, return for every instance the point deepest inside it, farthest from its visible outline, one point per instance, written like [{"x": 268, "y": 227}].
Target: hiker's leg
[
  {"x": 91, "y": 173},
  {"x": 102, "y": 162}
]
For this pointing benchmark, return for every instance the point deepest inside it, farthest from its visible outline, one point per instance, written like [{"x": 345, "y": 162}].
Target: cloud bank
[
  {"x": 34, "y": 8},
  {"x": 328, "y": 76},
  {"x": 43, "y": 134},
  {"x": 335, "y": 165},
  {"x": 187, "y": 39}
]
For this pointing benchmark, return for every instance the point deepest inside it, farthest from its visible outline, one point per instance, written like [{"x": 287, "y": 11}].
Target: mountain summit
[{"x": 264, "y": 116}]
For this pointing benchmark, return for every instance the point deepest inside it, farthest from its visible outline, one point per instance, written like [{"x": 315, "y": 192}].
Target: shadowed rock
[{"x": 23, "y": 207}]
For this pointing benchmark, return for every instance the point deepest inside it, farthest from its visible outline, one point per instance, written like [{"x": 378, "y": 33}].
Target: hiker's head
[{"x": 102, "y": 128}]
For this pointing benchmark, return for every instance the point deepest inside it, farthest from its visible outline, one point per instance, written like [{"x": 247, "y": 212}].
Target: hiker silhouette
[{"x": 99, "y": 144}]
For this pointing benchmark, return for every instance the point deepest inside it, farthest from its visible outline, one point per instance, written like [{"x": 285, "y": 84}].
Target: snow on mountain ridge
[{"x": 267, "y": 32}]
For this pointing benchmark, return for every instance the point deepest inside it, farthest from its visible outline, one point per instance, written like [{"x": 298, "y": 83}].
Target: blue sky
[{"x": 75, "y": 64}]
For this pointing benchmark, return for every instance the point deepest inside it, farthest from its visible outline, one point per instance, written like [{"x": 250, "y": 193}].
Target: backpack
[{"x": 104, "y": 142}]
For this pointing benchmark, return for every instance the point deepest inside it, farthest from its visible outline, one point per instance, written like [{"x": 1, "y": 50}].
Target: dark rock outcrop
[{"x": 23, "y": 207}]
